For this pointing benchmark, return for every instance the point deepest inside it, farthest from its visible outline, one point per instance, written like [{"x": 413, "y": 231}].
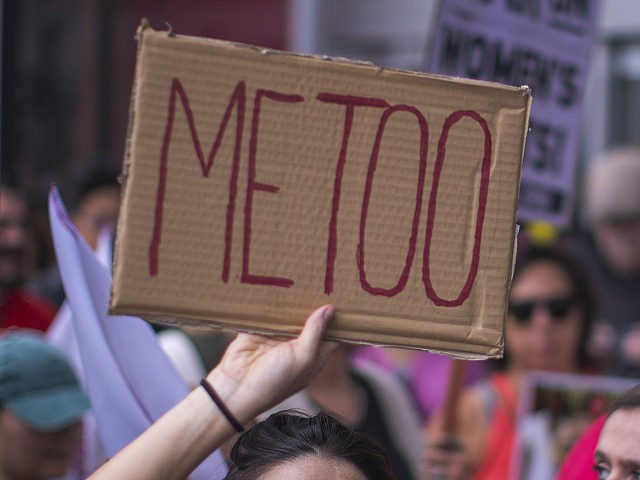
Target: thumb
[{"x": 314, "y": 329}]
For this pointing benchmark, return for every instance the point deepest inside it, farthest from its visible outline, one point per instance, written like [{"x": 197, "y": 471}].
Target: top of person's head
[
  {"x": 289, "y": 435},
  {"x": 629, "y": 400},
  {"x": 558, "y": 255},
  {"x": 37, "y": 384},
  {"x": 7, "y": 187},
  {"x": 97, "y": 174},
  {"x": 611, "y": 191}
]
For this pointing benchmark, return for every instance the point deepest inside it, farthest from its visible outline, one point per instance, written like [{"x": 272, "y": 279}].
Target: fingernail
[{"x": 328, "y": 312}]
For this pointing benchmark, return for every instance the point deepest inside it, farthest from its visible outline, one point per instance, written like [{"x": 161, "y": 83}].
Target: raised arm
[{"x": 255, "y": 373}]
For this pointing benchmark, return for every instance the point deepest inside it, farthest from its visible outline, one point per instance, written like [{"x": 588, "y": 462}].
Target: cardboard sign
[
  {"x": 261, "y": 184},
  {"x": 546, "y": 46}
]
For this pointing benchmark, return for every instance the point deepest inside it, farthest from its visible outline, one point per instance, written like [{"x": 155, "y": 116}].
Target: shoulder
[{"x": 478, "y": 404}]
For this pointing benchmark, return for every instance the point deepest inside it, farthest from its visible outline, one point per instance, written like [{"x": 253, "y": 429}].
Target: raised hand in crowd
[{"x": 255, "y": 373}]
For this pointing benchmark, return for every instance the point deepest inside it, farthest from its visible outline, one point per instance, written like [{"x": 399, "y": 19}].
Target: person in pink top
[
  {"x": 610, "y": 448},
  {"x": 548, "y": 323},
  {"x": 578, "y": 464},
  {"x": 425, "y": 374}
]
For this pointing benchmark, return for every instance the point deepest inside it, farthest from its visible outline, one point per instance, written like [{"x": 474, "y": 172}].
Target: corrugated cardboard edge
[
  {"x": 145, "y": 27},
  {"x": 228, "y": 327}
]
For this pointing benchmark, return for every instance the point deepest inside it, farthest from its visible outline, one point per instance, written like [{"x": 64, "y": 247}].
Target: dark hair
[
  {"x": 582, "y": 292},
  {"x": 629, "y": 400},
  {"x": 96, "y": 174},
  {"x": 291, "y": 434}
]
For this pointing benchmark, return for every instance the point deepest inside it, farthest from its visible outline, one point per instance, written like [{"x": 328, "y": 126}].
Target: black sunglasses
[{"x": 557, "y": 307}]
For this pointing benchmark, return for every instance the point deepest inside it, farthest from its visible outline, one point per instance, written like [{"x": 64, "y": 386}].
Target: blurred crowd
[{"x": 574, "y": 308}]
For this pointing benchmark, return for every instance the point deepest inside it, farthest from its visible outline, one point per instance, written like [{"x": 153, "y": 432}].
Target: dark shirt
[
  {"x": 617, "y": 298},
  {"x": 374, "y": 425}
]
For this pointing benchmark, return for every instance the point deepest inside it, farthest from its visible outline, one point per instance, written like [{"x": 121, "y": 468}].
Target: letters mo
[{"x": 237, "y": 103}]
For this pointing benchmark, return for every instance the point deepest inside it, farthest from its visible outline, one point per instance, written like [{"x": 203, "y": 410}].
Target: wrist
[
  {"x": 215, "y": 398},
  {"x": 229, "y": 392}
]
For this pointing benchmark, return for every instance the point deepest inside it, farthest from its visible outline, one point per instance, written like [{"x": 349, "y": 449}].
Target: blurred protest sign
[
  {"x": 260, "y": 184},
  {"x": 546, "y": 46},
  {"x": 554, "y": 409}
]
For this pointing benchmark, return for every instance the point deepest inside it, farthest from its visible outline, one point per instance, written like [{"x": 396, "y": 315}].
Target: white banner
[{"x": 130, "y": 381}]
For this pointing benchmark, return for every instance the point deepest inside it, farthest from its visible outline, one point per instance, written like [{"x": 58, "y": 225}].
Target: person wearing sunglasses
[{"x": 548, "y": 323}]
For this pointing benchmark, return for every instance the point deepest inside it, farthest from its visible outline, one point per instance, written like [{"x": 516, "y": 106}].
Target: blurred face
[
  {"x": 544, "y": 321},
  {"x": 13, "y": 238},
  {"x": 27, "y": 454},
  {"x": 617, "y": 455},
  {"x": 98, "y": 210},
  {"x": 619, "y": 242},
  {"x": 314, "y": 468}
]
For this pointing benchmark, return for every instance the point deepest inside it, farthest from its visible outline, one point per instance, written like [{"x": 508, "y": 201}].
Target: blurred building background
[{"x": 67, "y": 66}]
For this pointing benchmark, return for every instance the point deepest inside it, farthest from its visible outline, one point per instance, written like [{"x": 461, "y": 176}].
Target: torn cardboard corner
[{"x": 261, "y": 184}]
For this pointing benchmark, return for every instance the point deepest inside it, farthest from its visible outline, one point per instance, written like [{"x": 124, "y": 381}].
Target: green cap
[{"x": 38, "y": 385}]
